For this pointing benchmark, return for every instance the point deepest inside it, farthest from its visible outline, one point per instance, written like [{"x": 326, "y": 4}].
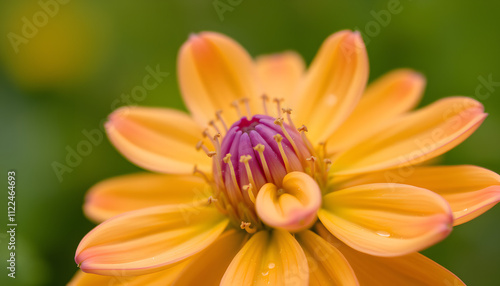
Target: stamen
[
  {"x": 200, "y": 145},
  {"x": 244, "y": 159},
  {"x": 246, "y": 226},
  {"x": 303, "y": 129},
  {"x": 217, "y": 143},
  {"x": 219, "y": 117},
  {"x": 260, "y": 148},
  {"x": 265, "y": 99},
  {"x": 203, "y": 175},
  {"x": 279, "y": 121},
  {"x": 207, "y": 134},
  {"x": 227, "y": 160},
  {"x": 237, "y": 107},
  {"x": 288, "y": 112},
  {"x": 247, "y": 106},
  {"x": 312, "y": 159},
  {"x": 278, "y": 105},
  {"x": 211, "y": 200},
  {"x": 278, "y": 139},
  {"x": 212, "y": 123},
  {"x": 328, "y": 163},
  {"x": 249, "y": 189}
]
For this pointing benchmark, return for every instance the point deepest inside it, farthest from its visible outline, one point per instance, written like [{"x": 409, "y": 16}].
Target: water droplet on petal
[
  {"x": 383, "y": 233},
  {"x": 271, "y": 265},
  {"x": 265, "y": 273}
]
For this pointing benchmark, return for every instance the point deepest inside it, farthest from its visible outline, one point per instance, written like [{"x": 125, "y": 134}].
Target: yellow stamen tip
[
  {"x": 227, "y": 158},
  {"x": 278, "y": 138}
]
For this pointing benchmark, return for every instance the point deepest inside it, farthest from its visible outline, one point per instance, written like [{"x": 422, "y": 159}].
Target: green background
[{"x": 66, "y": 77}]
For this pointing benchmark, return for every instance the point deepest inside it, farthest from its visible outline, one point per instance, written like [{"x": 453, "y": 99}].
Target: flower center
[{"x": 258, "y": 151}]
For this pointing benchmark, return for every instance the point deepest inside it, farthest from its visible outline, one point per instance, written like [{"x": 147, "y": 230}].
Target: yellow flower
[{"x": 301, "y": 177}]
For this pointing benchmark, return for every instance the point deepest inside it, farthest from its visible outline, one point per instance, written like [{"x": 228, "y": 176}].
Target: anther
[
  {"x": 247, "y": 106},
  {"x": 219, "y": 117},
  {"x": 260, "y": 148},
  {"x": 278, "y": 105},
  {"x": 227, "y": 160},
  {"x": 288, "y": 112},
  {"x": 237, "y": 107},
  {"x": 279, "y": 121},
  {"x": 211, "y": 200},
  {"x": 200, "y": 145},
  {"x": 303, "y": 129},
  {"x": 312, "y": 159},
  {"x": 265, "y": 99},
  {"x": 246, "y": 226},
  {"x": 244, "y": 159},
  {"x": 249, "y": 189},
  {"x": 212, "y": 123},
  {"x": 278, "y": 138},
  {"x": 328, "y": 163}
]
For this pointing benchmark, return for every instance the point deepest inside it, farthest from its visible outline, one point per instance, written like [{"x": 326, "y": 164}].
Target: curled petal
[
  {"x": 202, "y": 270},
  {"x": 215, "y": 71},
  {"x": 268, "y": 258},
  {"x": 414, "y": 138},
  {"x": 292, "y": 207},
  {"x": 279, "y": 74},
  {"x": 121, "y": 194},
  {"x": 157, "y": 139},
  {"x": 470, "y": 190},
  {"x": 412, "y": 269},
  {"x": 388, "y": 97},
  {"x": 333, "y": 84},
  {"x": 386, "y": 219},
  {"x": 327, "y": 265},
  {"x": 148, "y": 240}
]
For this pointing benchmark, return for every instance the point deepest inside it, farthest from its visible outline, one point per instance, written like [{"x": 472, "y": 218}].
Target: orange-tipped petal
[
  {"x": 280, "y": 74},
  {"x": 121, "y": 194},
  {"x": 412, "y": 269},
  {"x": 268, "y": 258},
  {"x": 327, "y": 265},
  {"x": 332, "y": 85},
  {"x": 214, "y": 71},
  {"x": 414, "y": 138},
  {"x": 148, "y": 240},
  {"x": 292, "y": 207},
  {"x": 470, "y": 190},
  {"x": 209, "y": 266},
  {"x": 160, "y": 278},
  {"x": 386, "y": 219},
  {"x": 157, "y": 139},
  {"x": 388, "y": 97}
]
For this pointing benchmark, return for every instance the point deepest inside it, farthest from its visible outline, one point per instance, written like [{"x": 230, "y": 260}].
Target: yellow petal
[
  {"x": 268, "y": 258},
  {"x": 332, "y": 85},
  {"x": 410, "y": 270},
  {"x": 148, "y": 240},
  {"x": 414, "y": 138},
  {"x": 386, "y": 219},
  {"x": 279, "y": 74},
  {"x": 160, "y": 278},
  {"x": 469, "y": 190},
  {"x": 157, "y": 139},
  {"x": 121, "y": 194},
  {"x": 327, "y": 265},
  {"x": 214, "y": 71},
  {"x": 385, "y": 99},
  {"x": 209, "y": 266},
  {"x": 292, "y": 207}
]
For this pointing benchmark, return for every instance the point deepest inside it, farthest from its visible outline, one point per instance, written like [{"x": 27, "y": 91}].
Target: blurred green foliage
[{"x": 68, "y": 76}]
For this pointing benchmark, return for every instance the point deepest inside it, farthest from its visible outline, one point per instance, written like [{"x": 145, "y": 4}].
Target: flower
[{"x": 300, "y": 178}]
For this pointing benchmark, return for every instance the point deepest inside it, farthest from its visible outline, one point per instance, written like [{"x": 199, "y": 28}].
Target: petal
[
  {"x": 385, "y": 99},
  {"x": 414, "y": 138},
  {"x": 386, "y": 219},
  {"x": 121, "y": 194},
  {"x": 279, "y": 74},
  {"x": 412, "y": 269},
  {"x": 469, "y": 190},
  {"x": 160, "y": 278},
  {"x": 157, "y": 139},
  {"x": 327, "y": 265},
  {"x": 148, "y": 240},
  {"x": 214, "y": 71},
  {"x": 268, "y": 258},
  {"x": 209, "y": 266},
  {"x": 292, "y": 207},
  {"x": 333, "y": 85}
]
